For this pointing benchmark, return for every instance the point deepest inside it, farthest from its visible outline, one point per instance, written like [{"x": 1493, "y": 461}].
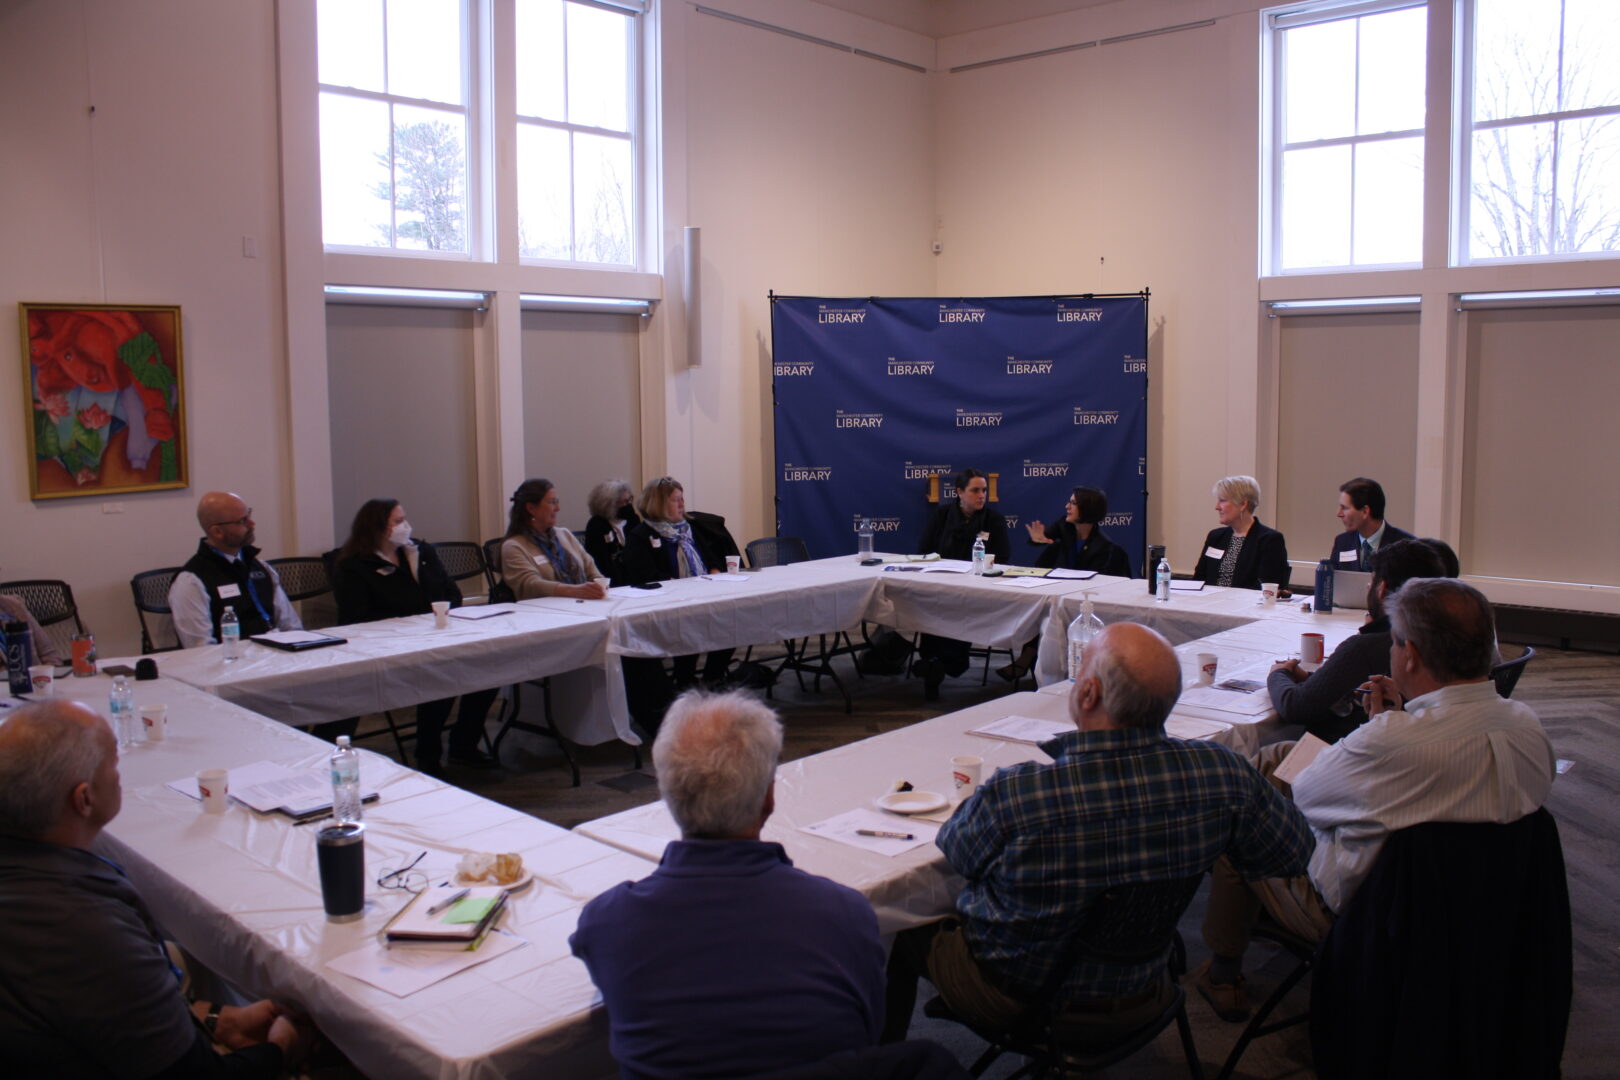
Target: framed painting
[{"x": 106, "y": 398}]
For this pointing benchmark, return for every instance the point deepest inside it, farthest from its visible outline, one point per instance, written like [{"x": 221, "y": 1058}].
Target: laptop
[{"x": 1350, "y": 589}]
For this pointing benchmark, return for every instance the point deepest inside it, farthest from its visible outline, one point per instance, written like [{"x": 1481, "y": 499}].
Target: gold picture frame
[{"x": 105, "y": 394}]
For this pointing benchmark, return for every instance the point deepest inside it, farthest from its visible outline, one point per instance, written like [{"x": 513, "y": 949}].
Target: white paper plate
[
  {"x": 521, "y": 883},
  {"x": 912, "y": 802}
]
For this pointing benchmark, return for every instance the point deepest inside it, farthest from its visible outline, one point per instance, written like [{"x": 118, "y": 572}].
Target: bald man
[
  {"x": 1120, "y": 804},
  {"x": 86, "y": 987},
  {"x": 226, "y": 573}
]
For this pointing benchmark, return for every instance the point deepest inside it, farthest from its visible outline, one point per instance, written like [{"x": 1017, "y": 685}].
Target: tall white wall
[{"x": 147, "y": 200}]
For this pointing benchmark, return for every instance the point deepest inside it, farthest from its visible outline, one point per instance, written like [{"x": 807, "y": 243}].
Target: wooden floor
[{"x": 1576, "y": 694}]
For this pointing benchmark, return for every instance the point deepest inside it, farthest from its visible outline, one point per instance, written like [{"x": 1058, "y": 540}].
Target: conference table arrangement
[{"x": 241, "y": 892}]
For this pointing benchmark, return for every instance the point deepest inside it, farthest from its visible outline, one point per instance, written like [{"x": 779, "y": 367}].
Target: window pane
[
  {"x": 1319, "y": 81},
  {"x": 354, "y": 171},
  {"x": 425, "y": 49},
  {"x": 602, "y": 199},
  {"x": 1515, "y": 59},
  {"x": 1511, "y": 208},
  {"x": 540, "y": 76},
  {"x": 1588, "y": 217},
  {"x": 430, "y": 179},
  {"x": 1591, "y": 44},
  {"x": 544, "y": 215},
  {"x": 1391, "y": 94},
  {"x": 1316, "y": 207},
  {"x": 350, "y": 34},
  {"x": 1389, "y": 202},
  {"x": 598, "y": 63}
]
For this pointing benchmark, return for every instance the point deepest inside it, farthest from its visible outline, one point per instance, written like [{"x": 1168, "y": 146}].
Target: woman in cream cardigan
[{"x": 540, "y": 559}]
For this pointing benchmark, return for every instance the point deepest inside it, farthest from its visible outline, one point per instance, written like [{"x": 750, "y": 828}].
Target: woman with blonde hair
[{"x": 1241, "y": 552}]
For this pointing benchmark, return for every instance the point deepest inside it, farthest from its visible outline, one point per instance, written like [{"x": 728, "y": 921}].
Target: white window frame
[
  {"x": 1463, "y": 128},
  {"x": 1275, "y": 23}
]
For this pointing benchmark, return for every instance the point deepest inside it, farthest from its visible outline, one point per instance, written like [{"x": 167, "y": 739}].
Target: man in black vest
[{"x": 226, "y": 573}]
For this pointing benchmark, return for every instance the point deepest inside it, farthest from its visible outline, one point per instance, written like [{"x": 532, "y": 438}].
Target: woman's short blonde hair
[
  {"x": 1239, "y": 489},
  {"x": 655, "y": 497}
]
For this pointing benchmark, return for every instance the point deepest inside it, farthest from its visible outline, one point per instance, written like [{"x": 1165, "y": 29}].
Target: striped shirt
[
  {"x": 1038, "y": 843},
  {"x": 1460, "y": 753}
]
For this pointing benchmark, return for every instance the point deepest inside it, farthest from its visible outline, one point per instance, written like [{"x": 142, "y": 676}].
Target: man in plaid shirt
[{"x": 1120, "y": 804}]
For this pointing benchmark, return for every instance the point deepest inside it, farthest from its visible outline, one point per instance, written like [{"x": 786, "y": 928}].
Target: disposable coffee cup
[
  {"x": 213, "y": 785},
  {"x": 155, "y": 722},
  {"x": 43, "y": 680},
  {"x": 989, "y": 562},
  {"x": 733, "y": 564},
  {"x": 1268, "y": 593},
  {"x": 441, "y": 614},
  {"x": 340, "y": 854},
  {"x": 1311, "y": 648},
  {"x": 965, "y": 771},
  {"x": 1207, "y": 664}
]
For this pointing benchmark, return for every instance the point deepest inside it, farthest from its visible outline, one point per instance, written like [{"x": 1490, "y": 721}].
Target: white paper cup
[
  {"x": 1311, "y": 648},
  {"x": 441, "y": 614},
  {"x": 989, "y": 561},
  {"x": 1268, "y": 592},
  {"x": 1207, "y": 664},
  {"x": 733, "y": 564},
  {"x": 44, "y": 680},
  {"x": 155, "y": 722},
  {"x": 965, "y": 771},
  {"x": 212, "y": 785}
]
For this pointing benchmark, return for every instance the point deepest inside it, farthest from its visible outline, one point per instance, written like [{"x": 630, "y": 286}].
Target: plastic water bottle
[
  {"x": 865, "y": 536},
  {"x": 1161, "y": 577},
  {"x": 230, "y": 634},
  {"x": 121, "y": 704},
  {"x": 1085, "y": 626},
  {"x": 345, "y": 782},
  {"x": 978, "y": 554}
]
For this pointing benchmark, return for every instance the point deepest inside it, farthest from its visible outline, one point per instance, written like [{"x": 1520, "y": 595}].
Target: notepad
[{"x": 1029, "y": 730}]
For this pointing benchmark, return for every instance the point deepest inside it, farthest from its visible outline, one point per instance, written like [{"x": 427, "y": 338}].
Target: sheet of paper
[
  {"x": 1023, "y": 582},
  {"x": 240, "y": 778},
  {"x": 949, "y": 566},
  {"x": 1072, "y": 575},
  {"x": 1303, "y": 753},
  {"x": 1023, "y": 729},
  {"x": 292, "y": 637},
  {"x": 1186, "y": 586},
  {"x": 843, "y": 828},
  {"x": 402, "y": 970},
  {"x": 1232, "y": 701},
  {"x": 482, "y": 611},
  {"x": 1194, "y": 727},
  {"x": 732, "y": 579},
  {"x": 300, "y": 793}
]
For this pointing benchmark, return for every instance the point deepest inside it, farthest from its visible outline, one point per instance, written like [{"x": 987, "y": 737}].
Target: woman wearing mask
[
  {"x": 540, "y": 559},
  {"x": 381, "y": 573},
  {"x": 613, "y": 515}
]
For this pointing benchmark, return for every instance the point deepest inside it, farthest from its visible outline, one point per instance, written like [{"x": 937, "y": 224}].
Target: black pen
[{"x": 448, "y": 901}]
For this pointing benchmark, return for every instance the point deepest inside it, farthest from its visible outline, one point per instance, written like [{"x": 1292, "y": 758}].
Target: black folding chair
[
  {"x": 51, "y": 604},
  {"x": 303, "y": 577},
  {"x": 462, "y": 559},
  {"x": 151, "y": 590},
  {"x": 1506, "y": 674}
]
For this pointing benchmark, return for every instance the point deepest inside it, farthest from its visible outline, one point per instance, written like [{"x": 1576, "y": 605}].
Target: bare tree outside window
[{"x": 429, "y": 190}]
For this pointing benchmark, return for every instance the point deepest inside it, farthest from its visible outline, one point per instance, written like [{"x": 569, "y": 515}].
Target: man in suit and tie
[{"x": 1361, "y": 511}]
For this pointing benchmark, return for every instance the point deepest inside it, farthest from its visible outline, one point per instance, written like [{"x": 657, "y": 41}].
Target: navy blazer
[
  {"x": 1351, "y": 541},
  {"x": 1264, "y": 557}
]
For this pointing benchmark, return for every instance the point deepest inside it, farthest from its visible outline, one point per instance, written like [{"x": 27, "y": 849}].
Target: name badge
[
  {"x": 1214, "y": 553},
  {"x": 1349, "y": 556},
  {"x": 540, "y": 560},
  {"x": 657, "y": 543},
  {"x": 229, "y": 592}
]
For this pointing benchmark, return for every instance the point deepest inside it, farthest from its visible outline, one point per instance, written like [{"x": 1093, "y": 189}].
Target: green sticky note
[{"x": 469, "y": 910}]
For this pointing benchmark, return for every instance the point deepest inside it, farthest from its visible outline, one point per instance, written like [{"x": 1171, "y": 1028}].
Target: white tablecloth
[{"x": 240, "y": 891}]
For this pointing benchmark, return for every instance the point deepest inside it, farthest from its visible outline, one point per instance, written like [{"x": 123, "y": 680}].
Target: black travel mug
[{"x": 340, "y": 851}]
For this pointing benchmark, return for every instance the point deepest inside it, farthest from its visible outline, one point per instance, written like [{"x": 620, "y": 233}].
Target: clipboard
[{"x": 297, "y": 640}]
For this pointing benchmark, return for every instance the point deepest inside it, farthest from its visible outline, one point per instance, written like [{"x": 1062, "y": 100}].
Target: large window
[
  {"x": 1542, "y": 123},
  {"x": 394, "y": 121},
  {"x": 1346, "y": 131},
  {"x": 403, "y": 93}
]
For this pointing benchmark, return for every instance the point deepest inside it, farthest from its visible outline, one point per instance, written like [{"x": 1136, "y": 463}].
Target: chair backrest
[
  {"x": 303, "y": 576},
  {"x": 151, "y": 589},
  {"x": 1132, "y": 924},
  {"x": 1453, "y": 958},
  {"x": 492, "y": 560},
  {"x": 51, "y": 604},
  {"x": 1506, "y": 674},
  {"x": 776, "y": 551},
  {"x": 461, "y": 559}
]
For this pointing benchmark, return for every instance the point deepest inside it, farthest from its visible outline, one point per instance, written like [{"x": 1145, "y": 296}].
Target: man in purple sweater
[{"x": 726, "y": 961}]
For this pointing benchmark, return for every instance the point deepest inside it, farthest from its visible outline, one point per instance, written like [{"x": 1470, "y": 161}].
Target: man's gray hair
[
  {"x": 603, "y": 500},
  {"x": 44, "y": 755},
  {"x": 716, "y": 755},
  {"x": 1132, "y": 697},
  {"x": 1451, "y": 624}
]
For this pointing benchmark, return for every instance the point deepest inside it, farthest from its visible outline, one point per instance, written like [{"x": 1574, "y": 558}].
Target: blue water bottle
[{"x": 1323, "y": 601}]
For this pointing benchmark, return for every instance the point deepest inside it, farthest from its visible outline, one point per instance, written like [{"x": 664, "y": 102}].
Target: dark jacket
[
  {"x": 1322, "y": 702},
  {"x": 641, "y": 562},
  {"x": 1351, "y": 541},
  {"x": 951, "y": 534},
  {"x": 1264, "y": 557},
  {"x": 603, "y": 547},
  {"x": 1097, "y": 552},
  {"x": 369, "y": 587}
]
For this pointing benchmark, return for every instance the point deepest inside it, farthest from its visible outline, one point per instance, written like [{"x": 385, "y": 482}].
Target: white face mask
[{"x": 400, "y": 534}]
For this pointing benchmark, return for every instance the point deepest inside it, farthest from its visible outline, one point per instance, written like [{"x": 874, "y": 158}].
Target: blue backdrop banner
[{"x": 875, "y": 396}]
